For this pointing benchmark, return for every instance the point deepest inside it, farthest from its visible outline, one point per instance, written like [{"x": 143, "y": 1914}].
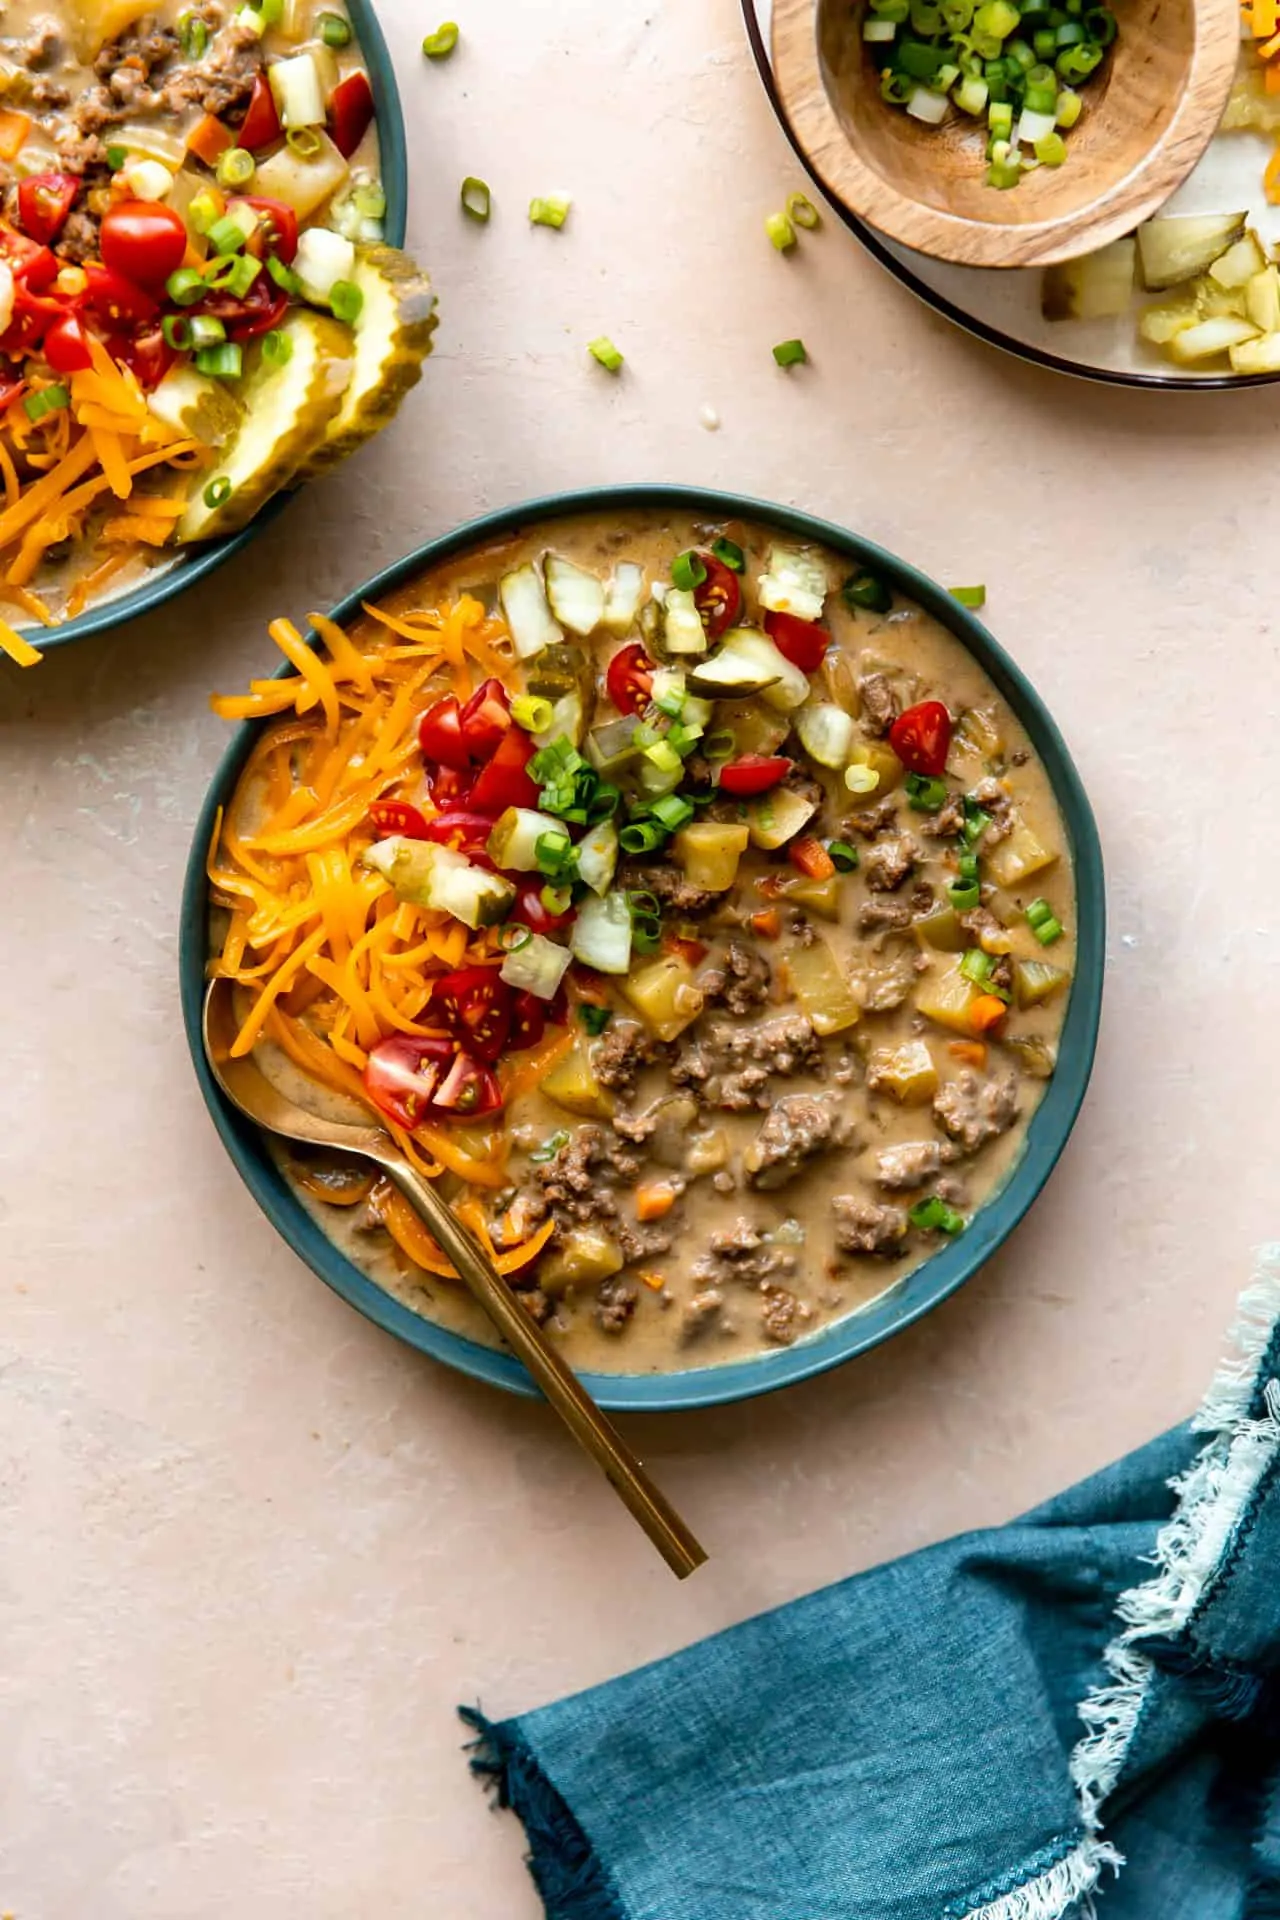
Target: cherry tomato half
[
  {"x": 528, "y": 1021},
  {"x": 753, "y": 773},
  {"x": 440, "y": 735},
  {"x": 719, "y": 598},
  {"x": 530, "y": 910},
  {"x": 116, "y": 301},
  {"x": 147, "y": 354},
  {"x": 398, "y": 816},
  {"x": 460, "y": 829},
  {"x": 475, "y": 1005},
  {"x": 484, "y": 719},
  {"x": 276, "y": 231},
  {"x": 504, "y": 781},
  {"x": 470, "y": 1090},
  {"x": 350, "y": 112},
  {"x": 33, "y": 315},
  {"x": 629, "y": 678},
  {"x": 921, "y": 738},
  {"x": 402, "y": 1074},
  {"x": 800, "y": 641},
  {"x": 65, "y": 346},
  {"x": 44, "y": 201},
  {"x": 34, "y": 265},
  {"x": 261, "y": 123},
  {"x": 143, "y": 240}
]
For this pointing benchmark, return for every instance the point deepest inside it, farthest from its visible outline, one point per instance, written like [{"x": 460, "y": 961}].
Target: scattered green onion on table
[{"x": 1016, "y": 67}]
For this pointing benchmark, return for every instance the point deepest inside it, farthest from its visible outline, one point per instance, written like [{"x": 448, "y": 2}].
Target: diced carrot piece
[
  {"x": 986, "y": 1013},
  {"x": 208, "y": 139},
  {"x": 1271, "y": 77},
  {"x": 691, "y": 950},
  {"x": 654, "y": 1199},
  {"x": 1269, "y": 48},
  {"x": 810, "y": 857},
  {"x": 654, "y": 1281},
  {"x": 972, "y": 1052},
  {"x": 767, "y": 924},
  {"x": 14, "y": 128}
]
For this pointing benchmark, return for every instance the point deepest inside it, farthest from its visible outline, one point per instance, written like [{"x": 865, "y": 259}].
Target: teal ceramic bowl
[
  {"x": 920, "y": 1291},
  {"x": 195, "y": 562}
]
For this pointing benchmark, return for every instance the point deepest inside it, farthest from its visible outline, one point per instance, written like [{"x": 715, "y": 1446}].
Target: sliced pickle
[{"x": 392, "y": 339}]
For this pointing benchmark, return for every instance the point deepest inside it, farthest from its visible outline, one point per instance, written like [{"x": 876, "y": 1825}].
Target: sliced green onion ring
[
  {"x": 549, "y": 211},
  {"x": 440, "y": 44},
  {"x": 730, "y": 555},
  {"x": 218, "y": 491},
  {"x": 49, "y": 399},
  {"x": 790, "y": 353},
  {"x": 687, "y": 571},
  {"x": 969, "y": 596},
  {"x": 477, "y": 201},
  {"x": 606, "y": 353},
  {"x": 335, "y": 31},
  {"x": 176, "y": 329},
  {"x": 802, "y": 212},
  {"x": 346, "y": 300},
  {"x": 780, "y": 231},
  {"x": 236, "y": 167},
  {"x": 277, "y": 348},
  {"x": 844, "y": 857}
]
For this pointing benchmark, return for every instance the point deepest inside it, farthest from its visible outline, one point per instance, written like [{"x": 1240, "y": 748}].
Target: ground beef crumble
[
  {"x": 975, "y": 1109},
  {"x": 798, "y": 1127},
  {"x": 880, "y": 706},
  {"x": 888, "y": 862},
  {"x": 864, "y": 1227},
  {"x": 742, "y": 984}
]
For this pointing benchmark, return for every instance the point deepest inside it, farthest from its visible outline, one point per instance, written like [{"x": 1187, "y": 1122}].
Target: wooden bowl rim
[{"x": 1133, "y": 198}]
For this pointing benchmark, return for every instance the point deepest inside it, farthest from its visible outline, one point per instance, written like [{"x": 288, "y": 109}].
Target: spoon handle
[{"x": 584, "y": 1419}]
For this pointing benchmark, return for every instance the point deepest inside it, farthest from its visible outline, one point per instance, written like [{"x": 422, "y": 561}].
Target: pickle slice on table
[{"x": 392, "y": 333}]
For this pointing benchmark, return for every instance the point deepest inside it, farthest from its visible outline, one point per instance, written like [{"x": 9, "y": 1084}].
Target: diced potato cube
[
  {"x": 820, "y": 896},
  {"x": 907, "y": 1072},
  {"x": 586, "y": 1256},
  {"x": 572, "y": 1084},
  {"x": 709, "y": 853},
  {"x": 945, "y": 996},
  {"x": 664, "y": 996},
  {"x": 822, "y": 990},
  {"x": 941, "y": 930},
  {"x": 1208, "y": 338},
  {"x": 1018, "y": 857}
]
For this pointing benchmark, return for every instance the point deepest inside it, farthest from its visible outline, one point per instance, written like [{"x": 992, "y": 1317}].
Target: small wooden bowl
[{"x": 1148, "y": 117}]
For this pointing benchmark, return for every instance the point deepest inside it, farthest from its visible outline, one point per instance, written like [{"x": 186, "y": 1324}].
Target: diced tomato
[
  {"x": 485, "y": 719},
  {"x": 530, "y": 910},
  {"x": 398, "y": 816},
  {"x": 753, "y": 773},
  {"x": 146, "y": 354},
  {"x": 475, "y": 1005},
  {"x": 810, "y": 857},
  {"x": 116, "y": 301},
  {"x": 403, "y": 1073},
  {"x": 800, "y": 641},
  {"x": 921, "y": 738},
  {"x": 65, "y": 346},
  {"x": 470, "y": 1090},
  {"x": 691, "y": 951},
  {"x": 449, "y": 788},
  {"x": 719, "y": 598},
  {"x": 504, "y": 781},
  {"x": 143, "y": 241},
  {"x": 277, "y": 228},
  {"x": 440, "y": 735},
  {"x": 461, "y": 829},
  {"x": 33, "y": 315},
  {"x": 30, "y": 262},
  {"x": 528, "y": 1021},
  {"x": 350, "y": 112},
  {"x": 263, "y": 307},
  {"x": 44, "y": 201},
  {"x": 261, "y": 123},
  {"x": 629, "y": 678}
]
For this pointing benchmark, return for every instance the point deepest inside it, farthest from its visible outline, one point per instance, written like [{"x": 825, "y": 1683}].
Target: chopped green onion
[
  {"x": 663, "y": 756},
  {"x": 206, "y": 330},
  {"x": 672, "y": 811},
  {"x": 370, "y": 201},
  {"x": 684, "y": 737},
  {"x": 226, "y": 236},
  {"x": 532, "y": 713},
  {"x": 868, "y": 591},
  {"x": 935, "y": 1215},
  {"x": 965, "y": 895},
  {"x": 1051, "y": 150},
  {"x": 550, "y": 1148},
  {"x": 925, "y": 794},
  {"x": 967, "y": 866},
  {"x": 687, "y": 572},
  {"x": 277, "y": 348},
  {"x": 730, "y": 555},
  {"x": 236, "y": 167},
  {"x": 117, "y": 158},
  {"x": 606, "y": 353},
  {"x": 556, "y": 899},
  {"x": 346, "y": 301},
  {"x": 594, "y": 1019},
  {"x": 238, "y": 275},
  {"x": 641, "y": 837},
  {"x": 646, "y": 922},
  {"x": 551, "y": 211},
  {"x": 720, "y": 745},
  {"x": 185, "y": 287},
  {"x": 334, "y": 30},
  {"x": 780, "y": 232},
  {"x": 555, "y": 855},
  {"x": 193, "y": 36},
  {"x": 511, "y": 939},
  {"x": 790, "y": 353},
  {"x": 976, "y": 821},
  {"x": 976, "y": 966},
  {"x": 1070, "y": 107},
  {"x": 176, "y": 329},
  {"x": 440, "y": 44},
  {"x": 50, "y": 399},
  {"x": 271, "y": 12},
  {"x": 969, "y": 596},
  {"x": 285, "y": 278},
  {"x": 305, "y": 142},
  {"x": 843, "y": 856},
  {"x": 1000, "y": 120},
  {"x": 223, "y": 362},
  {"x": 477, "y": 201},
  {"x": 1077, "y": 63},
  {"x": 218, "y": 491},
  {"x": 603, "y": 804},
  {"x": 801, "y": 210},
  {"x": 1044, "y": 923}
]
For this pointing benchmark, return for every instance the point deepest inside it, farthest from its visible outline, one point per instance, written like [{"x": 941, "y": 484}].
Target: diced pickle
[
  {"x": 824, "y": 994},
  {"x": 941, "y": 930},
  {"x": 572, "y": 1084},
  {"x": 559, "y": 669},
  {"x": 709, "y": 854},
  {"x": 756, "y": 727},
  {"x": 820, "y": 896},
  {"x": 1037, "y": 1057},
  {"x": 614, "y": 744},
  {"x": 977, "y": 733},
  {"x": 1035, "y": 981},
  {"x": 1098, "y": 286},
  {"x": 393, "y": 332},
  {"x": 907, "y": 1072},
  {"x": 1018, "y": 857},
  {"x": 1177, "y": 247},
  {"x": 585, "y": 1256},
  {"x": 664, "y": 995},
  {"x": 945, "y": 996}
]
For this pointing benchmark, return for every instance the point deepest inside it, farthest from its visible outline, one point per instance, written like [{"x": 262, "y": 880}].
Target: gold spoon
[{"x": 248, "y": 1089}]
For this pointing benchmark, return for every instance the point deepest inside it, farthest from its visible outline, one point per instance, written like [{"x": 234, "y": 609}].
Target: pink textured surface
[{"x": 254, "y": 1552}]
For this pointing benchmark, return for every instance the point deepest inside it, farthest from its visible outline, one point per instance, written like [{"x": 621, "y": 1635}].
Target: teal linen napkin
[{"x": 992, "y": 1729}]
